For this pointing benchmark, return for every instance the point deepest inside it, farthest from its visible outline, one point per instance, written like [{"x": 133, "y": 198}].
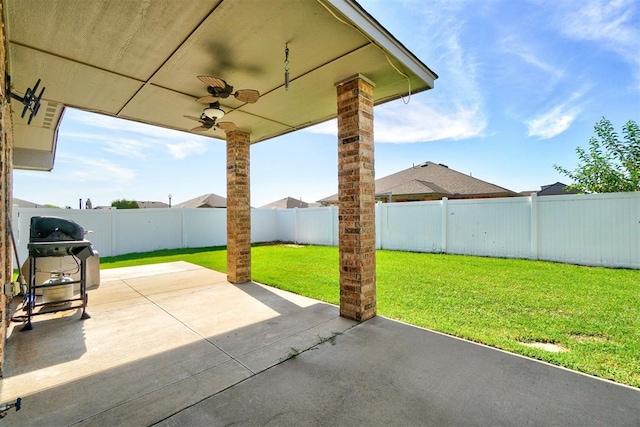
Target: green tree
[
  {"x": 611, "y": 165},
  {"x": 125, "y": 204}
]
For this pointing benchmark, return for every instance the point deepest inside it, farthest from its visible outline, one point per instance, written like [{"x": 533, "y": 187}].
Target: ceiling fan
[
  {"x": 209, "y": 122},
  {"x": 217, "y": 89}
]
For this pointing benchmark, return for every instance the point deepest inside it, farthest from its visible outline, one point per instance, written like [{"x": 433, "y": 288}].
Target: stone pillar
[
  {"x": 6, "y": 187},
  {"x": 238, "y": 208},
  {"x": 356, "y": 196}
]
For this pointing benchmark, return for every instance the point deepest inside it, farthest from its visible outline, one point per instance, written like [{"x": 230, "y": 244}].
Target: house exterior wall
[
  {"x": 356, "y": 195},
  {"x": 6, "y": 186}
]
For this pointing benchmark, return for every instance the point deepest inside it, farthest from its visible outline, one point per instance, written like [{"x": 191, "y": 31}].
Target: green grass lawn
[{"x": 592, "y": 313}]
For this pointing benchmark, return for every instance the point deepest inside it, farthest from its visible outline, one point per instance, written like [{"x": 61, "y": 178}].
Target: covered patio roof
[{"x": 139, "y": 60}]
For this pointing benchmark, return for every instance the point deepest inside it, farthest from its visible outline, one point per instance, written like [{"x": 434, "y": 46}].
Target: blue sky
[{"x": 521, "y": 85}]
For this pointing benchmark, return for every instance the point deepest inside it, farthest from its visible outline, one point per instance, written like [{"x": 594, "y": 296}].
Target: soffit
[{"x": 139, "y": 60}]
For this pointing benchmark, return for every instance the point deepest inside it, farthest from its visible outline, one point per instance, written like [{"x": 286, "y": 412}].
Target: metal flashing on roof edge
[{"x": 375, "y": 31}]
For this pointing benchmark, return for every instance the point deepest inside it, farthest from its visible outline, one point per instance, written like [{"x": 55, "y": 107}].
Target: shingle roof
[
  {"x": 286, "y": 203},
  {"x": 24, "y": 203},
  {"x": 435, "y": 179},
  {"x": 555, "y": 189},
  {"x": 151, "y": 205},
  {"x": 209, "y": 200}
]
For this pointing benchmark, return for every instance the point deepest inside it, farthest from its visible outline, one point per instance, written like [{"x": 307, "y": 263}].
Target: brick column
[
  {"x": 356, "y": 196},
  {"x": 238, "y": 208}
]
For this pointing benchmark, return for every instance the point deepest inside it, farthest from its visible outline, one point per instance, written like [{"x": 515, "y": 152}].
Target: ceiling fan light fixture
[{"x": 213, "y": 113}]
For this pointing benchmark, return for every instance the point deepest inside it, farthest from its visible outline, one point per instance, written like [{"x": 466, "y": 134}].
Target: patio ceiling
[{"x": 139, "y": 60}]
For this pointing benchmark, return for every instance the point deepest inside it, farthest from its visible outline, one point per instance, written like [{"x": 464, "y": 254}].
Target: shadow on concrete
[
  {"x": 384, "y": 373},
  {"x": 221, "y": 354},
  {"x": 61, "y": 338},
  {"x": 109, "y": 387}
]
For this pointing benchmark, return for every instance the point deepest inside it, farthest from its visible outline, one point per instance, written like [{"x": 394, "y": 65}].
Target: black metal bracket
[
  {"x": 30, "y": 100},
  {"x": 5, "y": 407}
]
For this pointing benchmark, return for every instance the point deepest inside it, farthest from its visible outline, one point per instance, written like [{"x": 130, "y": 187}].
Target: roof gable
[
  {"x": 286, "y": 203},
  {"x": 439, "y": 179},
  {"x": 435, "y": 179},
  {"x": 208, "y": 200},
  {"x": 555, "y": 190}
]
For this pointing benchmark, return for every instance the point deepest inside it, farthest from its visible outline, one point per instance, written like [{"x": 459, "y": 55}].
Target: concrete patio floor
[{"x": 176, "y": 344}]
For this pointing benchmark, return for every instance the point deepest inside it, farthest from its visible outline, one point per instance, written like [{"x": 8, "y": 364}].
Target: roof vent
[{"x": 444, "y": 166}]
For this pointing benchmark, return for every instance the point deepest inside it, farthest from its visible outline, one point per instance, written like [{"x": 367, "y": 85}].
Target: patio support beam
[
  {"x": 356, "y": 197},
  {"x": 6, "y": 189},
  {"x": 238, "y": 208}
]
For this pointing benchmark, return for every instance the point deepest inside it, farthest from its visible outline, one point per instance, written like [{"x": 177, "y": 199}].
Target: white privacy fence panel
[
  {"x": 599, "y": 229},
  {"x": 144, "y": 230},
  {"x": 264, "y": 225},
  {"x": 316, "y": 226},
  {"x": 415, "y": 227},
  {"x": 203, "y": 227},
  {"x": 285, "y": 225},
  {"x": 488, "y": 227},
  {"x": 602, "y": 229}
]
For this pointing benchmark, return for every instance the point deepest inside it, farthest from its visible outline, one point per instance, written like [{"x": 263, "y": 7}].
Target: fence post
[
  {"x": 295, "y": 225},
  {"x": 334, "y": 224},
  {"x": 534, "y": 225},
  {"x": 183, "y": 234},
  {"x": 114, "y": 234},
  {"x": 15, "y": 229},
  {"x": 379, "y": 225},
  {"x": 443, "y": 231}
]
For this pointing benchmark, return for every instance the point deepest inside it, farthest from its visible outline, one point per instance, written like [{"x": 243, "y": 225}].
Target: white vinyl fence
[{"x": 602, "y": 229}]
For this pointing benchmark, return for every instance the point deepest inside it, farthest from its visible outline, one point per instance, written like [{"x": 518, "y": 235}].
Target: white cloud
[
  {"x": 128, "y": 147},
  {"x": 417, "y": 122},
  {"x": 552, "y": 122},
  {"x": 556, "y": 119},
  {"x": 612, "y": 24},
  {"x": 96, "y": 170},
  {"x": 455, "y": 109},
  {"x": 530, "y": 54},
  {"x": 105, "y": 122},
  {"x": 184, "y": 149},
  {"x": 422, "y": 123},
  {"x": 130, "y": 139}
]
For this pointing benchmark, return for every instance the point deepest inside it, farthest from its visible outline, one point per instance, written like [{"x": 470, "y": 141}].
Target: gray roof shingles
[{"x": 433, "y": 178}]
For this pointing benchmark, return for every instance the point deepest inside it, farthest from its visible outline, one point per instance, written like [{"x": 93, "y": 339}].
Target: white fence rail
[{"x": 602, "y": 229}]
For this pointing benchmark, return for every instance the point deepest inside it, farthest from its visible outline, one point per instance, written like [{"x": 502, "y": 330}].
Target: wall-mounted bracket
[{"x": 30, "y": 101}]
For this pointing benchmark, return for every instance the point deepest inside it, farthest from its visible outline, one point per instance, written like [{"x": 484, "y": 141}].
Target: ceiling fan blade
[
  {"x": 197, "y": 119},
  {"x": 247, "y": 95},
  {"x": 208, "y": 99},
  {"x": 226, "y": 126},
  {"x": 213, "y": 81},
  {"x": 200, "y": 129}
]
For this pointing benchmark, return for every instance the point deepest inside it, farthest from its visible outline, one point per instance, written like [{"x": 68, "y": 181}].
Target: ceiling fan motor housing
[{"x": 221, "y": 92}]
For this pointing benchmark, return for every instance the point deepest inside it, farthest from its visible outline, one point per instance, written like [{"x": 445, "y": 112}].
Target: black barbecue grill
[{"x": 52, "y": 237}]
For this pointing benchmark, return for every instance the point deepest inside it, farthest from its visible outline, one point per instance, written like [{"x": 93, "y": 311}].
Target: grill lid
[{"x": 54, "y": 229}]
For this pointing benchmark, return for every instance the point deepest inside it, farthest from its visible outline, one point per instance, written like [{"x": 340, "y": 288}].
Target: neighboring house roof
[
  {"x": 434, "y": 180},
  {"x": 149, "y": 205},
  {"x": 286, "y": 203},
  {"x": 25, "y": 204},
  {"x": 556, "y": 189},
  {"x": 205, "y": 201}
]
